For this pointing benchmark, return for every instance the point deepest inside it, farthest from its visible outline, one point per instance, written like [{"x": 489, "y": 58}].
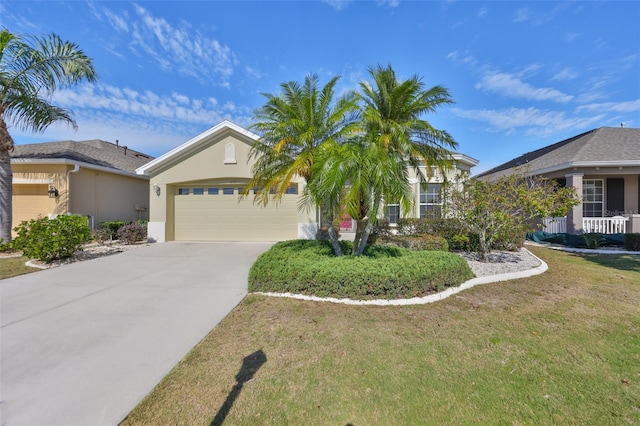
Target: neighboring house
[
  {"x": 603, "y": 165},
  {"x": 196, "y": 191},
  {"x": 92, "y": 178}
]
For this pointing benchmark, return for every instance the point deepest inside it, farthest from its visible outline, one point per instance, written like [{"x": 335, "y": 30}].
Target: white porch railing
[
  {"x": 599, "y": 225},
  {"x": 555, "y": 225},
  {"x": 605, "y": 225}
]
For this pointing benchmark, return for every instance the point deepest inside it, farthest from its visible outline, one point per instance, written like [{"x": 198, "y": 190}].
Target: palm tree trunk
[
  {"x": 335, "y": 244},
  {"x": 6, "y": 181},
  {"x": 362, "y": 243},
  {"x": 328, "y": 214}
]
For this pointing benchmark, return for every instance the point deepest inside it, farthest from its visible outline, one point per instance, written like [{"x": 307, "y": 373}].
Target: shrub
[
  {"x": 632, "y": 241},
  {"x": 132, "y": 233},
  {"x": 381, "y": 231},
  {"x": 510, "y": 238},
  {"x": 50, "y": 239},
  {"x": 452, "y": 230},
  {"x": 113, "y": 227},
  {"x": 5, "y": 246},
  {"x": 420, "y": 242},
  {"x": 102, "y": 235},
  {"x": 593, "y": 240},
  {"x": 460, "y": 242},
  {"x": 310, "y": 267}
]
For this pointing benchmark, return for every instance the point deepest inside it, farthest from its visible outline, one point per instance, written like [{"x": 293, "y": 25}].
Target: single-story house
[
  {"x": 93, "y": 178},
  {"x": 603, "y": 165},
  {"x": 196, "y": 187}
]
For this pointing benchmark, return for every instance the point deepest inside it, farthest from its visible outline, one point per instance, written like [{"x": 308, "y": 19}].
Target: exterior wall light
[
  {"x": 156, "y": 189},
  {"x": 53, "y": 192}
]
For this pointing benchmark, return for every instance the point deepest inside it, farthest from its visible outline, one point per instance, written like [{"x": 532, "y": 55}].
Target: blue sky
[{"x": 522, "y": 74}]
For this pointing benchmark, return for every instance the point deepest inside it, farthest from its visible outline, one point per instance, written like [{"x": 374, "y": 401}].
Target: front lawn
[
  {"x": 558, "y": 348},
  {"x": 14, "y": 266}
]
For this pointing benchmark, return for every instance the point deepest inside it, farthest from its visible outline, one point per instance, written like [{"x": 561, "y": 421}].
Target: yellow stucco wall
[
  {"x": 102, "y": 195},
  {"x": 30, "y": 191}
]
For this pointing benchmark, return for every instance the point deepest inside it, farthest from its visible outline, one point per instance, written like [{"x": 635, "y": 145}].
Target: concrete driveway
[{"x": 82, "y": 344}]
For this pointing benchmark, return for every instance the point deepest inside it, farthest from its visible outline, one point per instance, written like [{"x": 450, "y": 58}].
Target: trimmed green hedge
[
  {"x": 419, "y": 242},
  {"x": 632, "y": 241},
  {"x": 384, "y": 272}
]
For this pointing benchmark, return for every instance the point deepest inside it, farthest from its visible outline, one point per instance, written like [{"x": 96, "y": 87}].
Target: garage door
[
  {"x": 31, "y": 201},
  {"x": 213, "y": 213}
]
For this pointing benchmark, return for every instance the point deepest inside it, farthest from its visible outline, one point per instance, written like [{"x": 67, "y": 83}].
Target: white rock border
[{"x": 425, "y": 299}]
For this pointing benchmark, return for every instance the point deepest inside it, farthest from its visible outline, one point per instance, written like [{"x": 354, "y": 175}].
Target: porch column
[{"x": 574, "y": 216}]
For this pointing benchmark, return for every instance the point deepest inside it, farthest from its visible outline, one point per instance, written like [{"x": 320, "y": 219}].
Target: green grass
[
  {"x": 14, "y": 266},
  {"x": 558, "y": 348}
]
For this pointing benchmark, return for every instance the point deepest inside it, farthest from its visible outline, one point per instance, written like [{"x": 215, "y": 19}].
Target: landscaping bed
[{"x": 309, "y": 267}]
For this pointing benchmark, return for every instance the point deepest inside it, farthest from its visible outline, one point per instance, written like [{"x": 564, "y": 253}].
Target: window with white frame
[
  {"x": 430, "y": 200},
  {"x": 593, "y": 198},
  {"x": 392, "y": 213}
]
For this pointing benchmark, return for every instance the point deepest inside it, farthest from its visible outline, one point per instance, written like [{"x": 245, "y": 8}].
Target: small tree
[{"x": 506, "y": 205}]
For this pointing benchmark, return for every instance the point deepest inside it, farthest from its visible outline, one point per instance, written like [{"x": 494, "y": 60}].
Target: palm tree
[
  {"x": 31, "y": 70},
  {"x": 394, "y": 131},
  {"x": 293, "y": 127},
  {"x": 358, "y": 176}
]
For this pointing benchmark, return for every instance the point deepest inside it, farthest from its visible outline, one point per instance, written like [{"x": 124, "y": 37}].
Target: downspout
[{"x": 76, "y": 169}]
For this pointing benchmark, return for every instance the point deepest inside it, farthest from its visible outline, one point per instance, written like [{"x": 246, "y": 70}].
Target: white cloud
[
  {"x": 628, "y": 106},
  {"x": 534, "y": 121},
  {"x": 572, "y": 36},
  {"x": 510, "y": 85},
  {"x": 522, "y": 15},
  {"x": 178, "y": 48},
  {"x": 337, "y": 4},
  {"x": 145, "y": 121},
  {"x": 564, "y": 74},
  {"x": 389, "y": 3},
  {"x": 482, "y": 12},
  {"x": 462, "y": 58}
]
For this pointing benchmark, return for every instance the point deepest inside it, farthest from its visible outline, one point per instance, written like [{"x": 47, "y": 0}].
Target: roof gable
[{"x": 196, "y": 144}]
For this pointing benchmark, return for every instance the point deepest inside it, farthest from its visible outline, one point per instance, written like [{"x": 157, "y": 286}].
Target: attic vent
[{"x": 230, "y": 153}]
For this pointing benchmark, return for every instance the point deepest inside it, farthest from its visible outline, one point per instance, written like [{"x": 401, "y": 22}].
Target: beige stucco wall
[
  {"x": 108, "y": 197},
  {"x": 205, "y": 165},
  {"x": 436, "y": 177}
]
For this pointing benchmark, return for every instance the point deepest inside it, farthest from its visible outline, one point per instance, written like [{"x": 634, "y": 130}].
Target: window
[
  {"x": 392, "y": 213},
  {"x": 198, "y": 191},
  {"x": 230, "y": 153},
  {"x": 593, "y": 198},
  {"x": 227, "y": 191},
  {"x": 183, "y": 191},
  {"x": 430, "y": 200},
  {"x": 292, "y": 189},
  {"x": 240, "y": 189},
  {"x": 213, "y": 191}
]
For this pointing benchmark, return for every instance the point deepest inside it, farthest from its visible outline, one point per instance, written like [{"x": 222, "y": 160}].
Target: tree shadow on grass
[
  {"x": 624, "y": 262},
  {"x": 250, "y": 365}
]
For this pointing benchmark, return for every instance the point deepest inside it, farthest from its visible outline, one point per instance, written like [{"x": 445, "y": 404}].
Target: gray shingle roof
[
  {"x": 598, "y": 145},
  {"x": 96, "y": 152}
]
